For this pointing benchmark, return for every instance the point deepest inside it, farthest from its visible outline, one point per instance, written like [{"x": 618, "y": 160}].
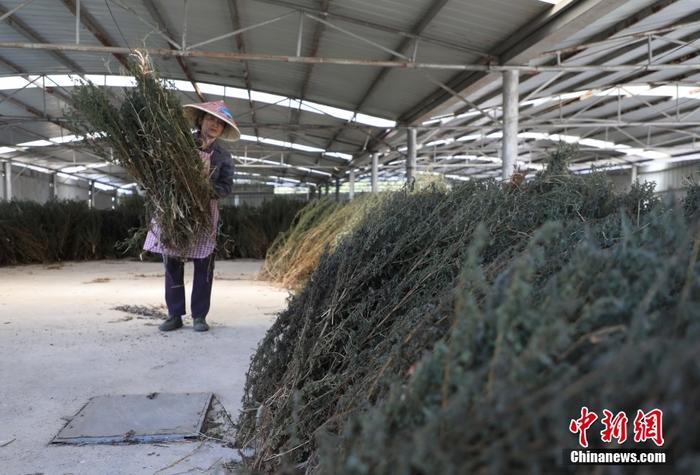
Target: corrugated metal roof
[
  {"x": 469, "y": 24},
  {"x": 483, "y": 24}
]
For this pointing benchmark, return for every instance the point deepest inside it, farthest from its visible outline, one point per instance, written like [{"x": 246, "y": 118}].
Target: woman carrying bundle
[{"x": 213, "y": 121}]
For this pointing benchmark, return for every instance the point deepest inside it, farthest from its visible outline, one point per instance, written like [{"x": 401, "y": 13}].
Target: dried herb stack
[{"x": 459, "y": 332}]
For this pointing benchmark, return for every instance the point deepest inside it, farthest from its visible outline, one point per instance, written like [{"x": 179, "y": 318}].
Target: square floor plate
[{"x": 137, "y": 418}]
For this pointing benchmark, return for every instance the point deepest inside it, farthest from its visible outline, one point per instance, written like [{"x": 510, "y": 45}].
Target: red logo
[
  {"x": 615, "y": 427},
  {"x": 647, "y": 426},
  {"x": 582, "y": 424}
]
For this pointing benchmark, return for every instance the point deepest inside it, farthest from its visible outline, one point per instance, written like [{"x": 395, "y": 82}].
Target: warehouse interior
[
  {"x": 335, "y": 101},
  {"x": 323, "y": 91}
]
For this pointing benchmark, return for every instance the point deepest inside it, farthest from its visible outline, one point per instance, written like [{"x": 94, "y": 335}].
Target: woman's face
[{"x": 212, "y": 127}]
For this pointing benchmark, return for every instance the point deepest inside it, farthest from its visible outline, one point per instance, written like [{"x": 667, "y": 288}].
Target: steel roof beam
[
  {"x": 525, "y": 46},
  {"x": 118, "y": 50},
  {"x": 612, "y": 55},
  {"x": 642, "y": 57},
  {"x": 160, "y": 21},
  {"x": 240, "y": 44},
  {"x": 315, "y": 43},
  {"x": 31, "y": 34},
  {"x": 417, "y": 29},
  {"x": 96, "y": 29}
]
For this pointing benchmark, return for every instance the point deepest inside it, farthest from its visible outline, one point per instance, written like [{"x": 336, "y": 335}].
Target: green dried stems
[
  {"x": 145, "y": 132},
  {"x": 458, "y": 332}
]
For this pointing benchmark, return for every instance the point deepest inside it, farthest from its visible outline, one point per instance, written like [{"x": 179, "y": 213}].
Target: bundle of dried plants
[{"x": 144, "y": 131}]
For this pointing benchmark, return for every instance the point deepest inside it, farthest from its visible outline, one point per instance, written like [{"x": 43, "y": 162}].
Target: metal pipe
[
  {"x": 625, "y": 39},
  {"x": 534, "y": 123},
  {"x": 510, "y": 122},
  {"x": 301, "y": 34},
  {"x": 375, "y": 168},
  {"x": 184, "y": 27},
  {"x": 358, "y": 37},
  {"x": 21, "y": 5},
  {"x": 239, "y": 31},
  {"x": 77, "y": 23},
  {"x": 157, "y": 29},
  {"x": 488, "y": 68},
  {"x": 7, "y": 194},
  {"x": 411, "y": 159}
]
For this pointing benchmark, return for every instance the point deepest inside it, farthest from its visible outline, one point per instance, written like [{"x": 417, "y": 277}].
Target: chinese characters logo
[{"x": 646, "y": 426}]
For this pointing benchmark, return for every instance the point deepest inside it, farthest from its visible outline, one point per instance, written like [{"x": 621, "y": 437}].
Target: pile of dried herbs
[
  {"x": 63, "y": 230},
  {"x": 249, "y": 231},
  {"x": 460, "y": 332},
  {"x": 318, "y": 226},
  {"x": 144, "y": 131},
  {"x": 69, "y": 230}
]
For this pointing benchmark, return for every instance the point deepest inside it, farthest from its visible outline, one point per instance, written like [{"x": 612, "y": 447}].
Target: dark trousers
[{"x": 201, "y": 285}]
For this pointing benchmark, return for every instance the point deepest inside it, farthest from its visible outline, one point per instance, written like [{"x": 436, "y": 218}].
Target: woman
[{"x": 213, "y": 121}]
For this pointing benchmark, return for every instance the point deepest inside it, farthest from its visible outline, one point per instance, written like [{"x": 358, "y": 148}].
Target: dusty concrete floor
[{"x": 62, "y": 343}]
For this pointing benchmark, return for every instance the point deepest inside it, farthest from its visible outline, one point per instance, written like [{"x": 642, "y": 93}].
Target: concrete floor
[{"x": 61, "y": 343}]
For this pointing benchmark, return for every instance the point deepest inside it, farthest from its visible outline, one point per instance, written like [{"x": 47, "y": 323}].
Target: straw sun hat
[{"x": 218, "y": 109}]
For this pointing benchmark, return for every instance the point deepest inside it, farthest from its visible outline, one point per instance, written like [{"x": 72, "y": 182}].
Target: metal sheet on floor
[{"x": 137, "y": 418}]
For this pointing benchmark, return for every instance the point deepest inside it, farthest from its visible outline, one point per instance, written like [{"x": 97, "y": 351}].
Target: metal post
[
  {"x": 337, "y": 190},
  {"x": 91, "y": 195},
  {"x": 510, "y": 122},
  {"x": 8, "y": 181},
  {"x": 326, "y": 189},
  {"x": 77, "y": 23},
  {"x": 411, "y": 159},
  {"x": 351, "y": 185},
  {"x": 635, "y": 171},
  {"x": 301, "y": 33},
  {"x": 53, "y": 192},
  {"x": 184, "y": 27},
  {"x": 375, "y": 169}
]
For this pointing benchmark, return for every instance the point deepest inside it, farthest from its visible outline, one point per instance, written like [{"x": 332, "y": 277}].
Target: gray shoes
[
  {"x": 175, "y": 322},
  {"x": 172, "y": 323},
  {"x": 199, "y": 324}
]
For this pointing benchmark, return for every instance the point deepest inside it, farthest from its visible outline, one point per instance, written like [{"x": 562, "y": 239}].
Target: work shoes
[
  {"x": 172, "y": 323},
  {"x": 199, "y": 325}
]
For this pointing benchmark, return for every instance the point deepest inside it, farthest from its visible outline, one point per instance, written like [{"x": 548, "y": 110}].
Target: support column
[
  {"x": 411, "y": 159},
  {"x": 635, "y": 171},
  {"x": 351, "y": 185},
  {"x": 91, "y": 195},
  {"x": 326, "y": 189},
  {"x": 375, "y": 171},
  {"x": 337, "y": 190},
  {"x": 510, "y": 123},
  {"x": 8, "y": 181},
  {"x": 53, "y": 192}
]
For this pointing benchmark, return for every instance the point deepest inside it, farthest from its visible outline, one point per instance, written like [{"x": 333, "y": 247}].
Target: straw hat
[{"x": 218, "y": 109}]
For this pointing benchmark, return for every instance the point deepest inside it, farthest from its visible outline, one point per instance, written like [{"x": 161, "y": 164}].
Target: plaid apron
[{"x": 203, "y": 245}]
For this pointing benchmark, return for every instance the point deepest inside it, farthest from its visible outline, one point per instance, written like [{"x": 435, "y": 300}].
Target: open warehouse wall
[
  {"x": 673, "y": 179},
  {"x": 40, "y": 187}
]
